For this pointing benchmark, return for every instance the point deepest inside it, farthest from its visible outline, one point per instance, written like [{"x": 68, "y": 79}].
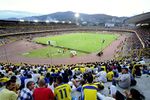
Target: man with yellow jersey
[
  {"x": 82, "y": 69},
  {"x": 89, "y": 90},
  {"x": 110, "y": 75},
  {"x": 62, "y": 91}
]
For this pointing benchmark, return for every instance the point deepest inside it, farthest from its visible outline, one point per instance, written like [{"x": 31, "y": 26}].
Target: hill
[
  {"x": 84, "y": 18},
  {"x": 69, "y": 16}
]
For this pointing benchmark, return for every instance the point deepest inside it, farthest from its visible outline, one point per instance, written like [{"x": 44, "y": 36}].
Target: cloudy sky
[{"x": 110, "y": 7}]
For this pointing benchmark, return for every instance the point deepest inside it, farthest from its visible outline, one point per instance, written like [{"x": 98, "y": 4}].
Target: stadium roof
[{"x": 139, "y": 19}]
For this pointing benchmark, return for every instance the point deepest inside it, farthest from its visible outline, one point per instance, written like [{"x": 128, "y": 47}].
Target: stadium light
[
  {"x": 63, "y": 22},
  {"x": 56, "y": 21},
  {"x": 69, "y": 22},
  {"x": 47, "y": 21},
  {"x": 36, "y": 21},
  {"x": 21, "y": 20},
  {"x": 77, "y": 15}
]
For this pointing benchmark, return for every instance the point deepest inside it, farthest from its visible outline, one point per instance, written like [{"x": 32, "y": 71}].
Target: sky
[{"x": 110, "y": 7}]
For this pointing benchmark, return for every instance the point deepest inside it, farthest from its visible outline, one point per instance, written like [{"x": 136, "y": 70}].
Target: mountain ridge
[{"x": 69, "y": 16}]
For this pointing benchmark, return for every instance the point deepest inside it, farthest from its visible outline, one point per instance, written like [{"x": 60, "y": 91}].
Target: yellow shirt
[
  {"x": 49, "y": 69},
  {"x": 110, "y": 75},
  {"x": 89, "y": 92},
  {"x": 100, "y": 85},
  {"x": 56, "y": 71},
  {"x": 42, "y": 77},
  {"x": 5, "y": 94},
  {"x": 76, "y": 69},
  {"x": 92, "y": 67},
  {"x": 4, "y": 79},
  {"x": 104, "y": 68},
  {"x": 82, "y": 69},
  {"x": 63, "y": 92}
]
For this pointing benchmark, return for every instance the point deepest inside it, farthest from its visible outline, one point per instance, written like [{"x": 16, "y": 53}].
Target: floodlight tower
[
  {"x": 77, "y": 15},
  {"x": 21, "y": 20},
  {"x": 69, "y": 22},
  {"x": 36, "y": 21},
  {"x": 47, "y": 21}
]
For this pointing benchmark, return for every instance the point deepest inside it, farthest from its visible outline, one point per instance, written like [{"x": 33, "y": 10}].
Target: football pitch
[{"x": 86, "y": 41}]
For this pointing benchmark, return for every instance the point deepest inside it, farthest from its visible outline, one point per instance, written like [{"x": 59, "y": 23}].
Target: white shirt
[
  {"x": 125, "y": 80},
  {"x": 35, "y": 77},
  {"x": 102, "y": 76},
  {"x": 51, "y": 87}
]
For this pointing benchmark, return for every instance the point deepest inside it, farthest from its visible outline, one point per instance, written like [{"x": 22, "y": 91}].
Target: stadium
[
  {"x": 26, "y": 39},
  {"x": 75, "y": 50}
]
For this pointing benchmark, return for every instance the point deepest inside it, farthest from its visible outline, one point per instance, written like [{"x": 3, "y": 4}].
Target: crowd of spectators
[
  {"x": 144, "y": 33},
  {"x": 32, "y": 27},
  {"x": 133, "y": 42},
  {"x": 60, "y": 82}
]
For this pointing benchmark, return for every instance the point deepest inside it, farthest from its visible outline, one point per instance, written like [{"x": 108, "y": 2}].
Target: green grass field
[{"x": 90, "y": 42}]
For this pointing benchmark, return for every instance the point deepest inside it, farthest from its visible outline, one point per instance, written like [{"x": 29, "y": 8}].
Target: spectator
[
  {"x": 102, "y": 75},
  {"x": 26, "y": 93},
  {"x": 51, "y": 83},
  {"x": 138, "y": 71},
  {"x": 145, "y": 70},
  {"x": 14, "y": 78},
  {"x": 43, "y": 93},
  {"x": 62, "y": 91},
  {"x": 29, "y": 78},
  {"x": 35, "y": 76},
  {"x": 7, "y": 93},
  {"x": 110, "y": 75},
  {"x": 89, "y": 90},
  {"x": 124, "y": 79},
  {"x": 3, "y": 78},
  {"x": 134, "y": 95}
]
